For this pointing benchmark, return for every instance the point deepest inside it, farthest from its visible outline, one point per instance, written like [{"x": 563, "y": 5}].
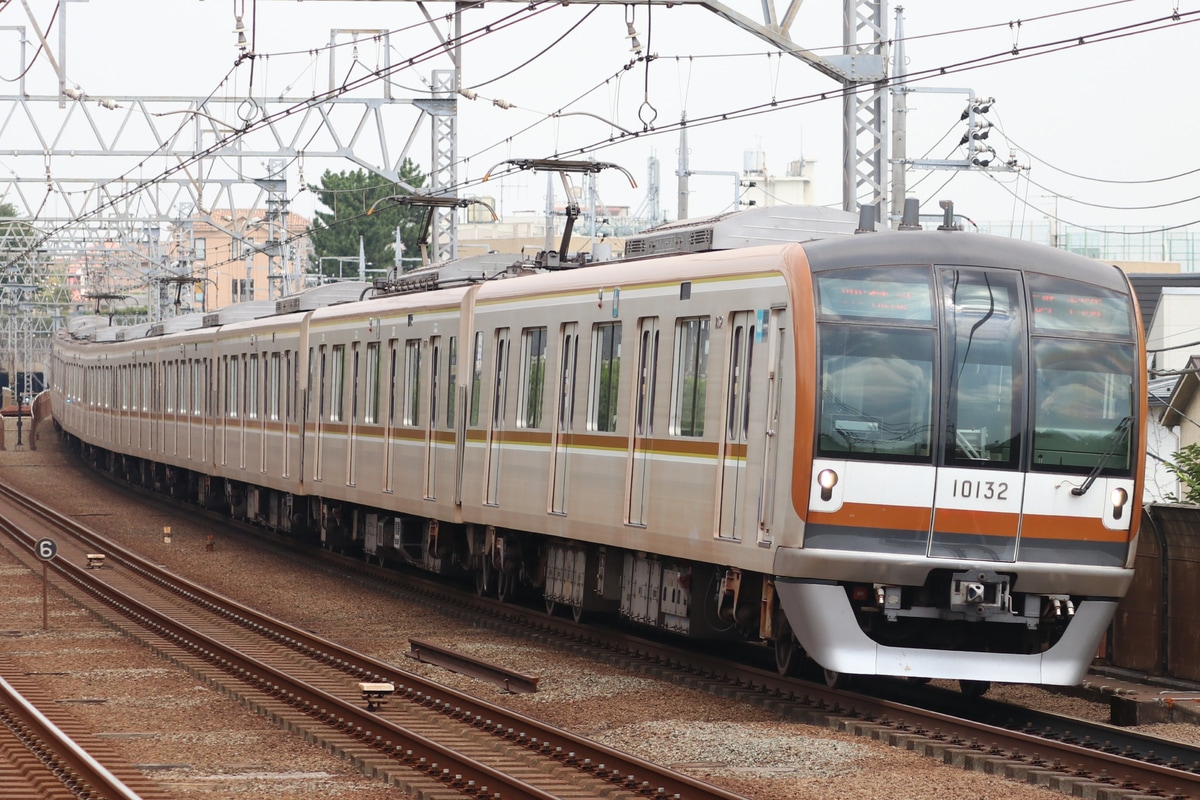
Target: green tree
[
  {"x": 1186, "y": 467},
  {"x": 348, "y": 195}
]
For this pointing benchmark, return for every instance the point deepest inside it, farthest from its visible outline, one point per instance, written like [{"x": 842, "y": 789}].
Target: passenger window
[
  {"x": 452, "y": 382},
  {"x": 372, "y": 411},
  {"x": 476, "y": 377},
  {"x": 533, "y": 378},
  {"x": 606, "y": 373},
  {"x": 412, "y": 382},
  {"x": 337, "y": 382},
  {"x": 689, "y": 379}
]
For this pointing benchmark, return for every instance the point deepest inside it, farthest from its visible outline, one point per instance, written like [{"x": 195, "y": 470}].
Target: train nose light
[
  {"x": 827, "y": 479},
  {"x": 1119, "y": 498}
]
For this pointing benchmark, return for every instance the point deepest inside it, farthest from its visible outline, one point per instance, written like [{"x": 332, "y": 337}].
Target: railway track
[
  {"x": 1068, "y": 754},
  {"x": 43, "y": 757},
  {"x": 416, "y": 733}
]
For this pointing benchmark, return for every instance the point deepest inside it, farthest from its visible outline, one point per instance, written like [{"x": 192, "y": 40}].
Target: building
[{"x": 247, "y": 254}]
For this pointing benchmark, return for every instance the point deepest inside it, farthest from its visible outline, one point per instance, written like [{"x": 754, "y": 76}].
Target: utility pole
[
  {"x": 899, "y": 122},
  {"x": 683, "y": 172}
]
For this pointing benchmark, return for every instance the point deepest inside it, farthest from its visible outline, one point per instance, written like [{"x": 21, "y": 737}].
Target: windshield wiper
[{"x": 1122, "y": 431}]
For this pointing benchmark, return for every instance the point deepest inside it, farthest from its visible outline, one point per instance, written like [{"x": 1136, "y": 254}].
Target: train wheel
[
  {"x": 484, "y": 578},
  {"x": 551, "y": 607},
  {"x": 836, "y": 680},
  {"x": 974, "y": 688},
  {"x": 506, "y": 586},
  {"x": 577, "y": 612},
  {"x": 788, "y": 652}
]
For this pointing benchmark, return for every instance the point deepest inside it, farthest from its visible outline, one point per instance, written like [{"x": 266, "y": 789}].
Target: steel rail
[
  {"x": 79, "y": 772},
  {"x": 621, "y": 769}
]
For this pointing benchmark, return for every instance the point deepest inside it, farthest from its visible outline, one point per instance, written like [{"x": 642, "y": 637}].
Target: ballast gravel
[{"x": 197, "y": 743}]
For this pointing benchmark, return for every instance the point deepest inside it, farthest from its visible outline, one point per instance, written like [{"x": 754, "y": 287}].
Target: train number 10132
[{"x": 980, "y": 490}]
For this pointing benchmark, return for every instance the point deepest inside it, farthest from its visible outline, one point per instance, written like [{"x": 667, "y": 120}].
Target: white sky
[{"x": 1117, "y": 111}]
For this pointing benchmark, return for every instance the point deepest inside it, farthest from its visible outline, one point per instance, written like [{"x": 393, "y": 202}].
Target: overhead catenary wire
[{"x": 1139, "y": 28}]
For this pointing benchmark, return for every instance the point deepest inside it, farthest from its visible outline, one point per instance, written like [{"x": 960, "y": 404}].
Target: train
[{"x": 912, "y": 453}]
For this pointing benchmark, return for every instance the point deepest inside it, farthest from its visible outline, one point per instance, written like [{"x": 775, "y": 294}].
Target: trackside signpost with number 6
[{"x": 46, "y": 550}]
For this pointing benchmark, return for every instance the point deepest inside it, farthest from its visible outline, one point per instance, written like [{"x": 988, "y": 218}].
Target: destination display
[
  {"x": 1058, "y": 304},
  {"x": 897, "y": 294}
]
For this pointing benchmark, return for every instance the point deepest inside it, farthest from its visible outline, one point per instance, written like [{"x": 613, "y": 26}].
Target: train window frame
[
  {"x": 967, "y": 332},
  {"x": 393, "y": 374},
  {"x": 692, "y": 351},
  {"x": 169, "y": 405},
  {"x": 182, "y": 373},
  {"x": 1087, "y": 442},
  {"x": 532, "y": 381},
  {"x": 569, "y": 336},
  {"x": 866, "y": 424},
  {"x": 647, "y": 377},
  {"x": 337, "y": 382},
  {"x": 476, "y": 379},
  {"x": 355, "y": 360},
  {"x": 411, "y": 411},
  {"x": 252, "y": 387},
  {"x": 435, "y": 379},
  {"x": 451, "y": 380},
  {"x": 371, "y": 408},
  {"x": 604, "y": 380},
  {"x": 1089, "y": 298},
  {"x": 741, "y": 363},
  {"x": 274, "y": 376},
  {"x": 231, "y": 386},
  {"x": 500, "y": 379}
]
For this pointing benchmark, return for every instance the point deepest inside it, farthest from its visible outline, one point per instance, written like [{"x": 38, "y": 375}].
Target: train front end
[{"x": 976, "y": 423}]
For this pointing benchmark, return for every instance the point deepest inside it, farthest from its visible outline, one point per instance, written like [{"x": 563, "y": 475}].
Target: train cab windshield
[
  {"x": 987, "y": 371},
  {"x": 1083, "y": 367}
]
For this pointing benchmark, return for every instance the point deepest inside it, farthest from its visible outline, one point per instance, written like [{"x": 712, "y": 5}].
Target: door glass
[{"x": 983, "y": 358}]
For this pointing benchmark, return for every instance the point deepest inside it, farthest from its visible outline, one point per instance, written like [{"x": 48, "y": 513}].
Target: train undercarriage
[{"x": 581, "y": 579}]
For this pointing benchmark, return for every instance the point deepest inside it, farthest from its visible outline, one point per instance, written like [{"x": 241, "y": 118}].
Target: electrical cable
[
  {"x": 539, "y": 54},
  {"x": 38, "y": 52},
  {"x": 1114, "y": 34}
]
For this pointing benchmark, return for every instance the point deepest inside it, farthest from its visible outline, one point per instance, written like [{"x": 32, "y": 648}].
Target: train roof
[
  {"x": 957, "y": 247},
  {"x": 325, "y": 295},
  {"x": 750, "y": 227}
]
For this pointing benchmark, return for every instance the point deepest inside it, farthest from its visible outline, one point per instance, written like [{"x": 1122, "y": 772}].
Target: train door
[
  {"x": 390, "y": 417},
  {"x": 251, "y": 421},
  {"x": 264, "y": 406},
  {"x": 496, "y": 425},
  {"x": 206, "y": 453},
  {"x": 731, "y": 466},
  {"x": 243, "y": 405},
  {"x": 977, "y": 497},
  {"x": 319, "y": 423},
  {"x": 642, "y": 434},
  {"x": 352, "y": 427},
  {"x": 286, "y": 400},
  {"x": 564, "y": 417},
  {"x": 178, "y": 378},
  {"x": 774, "y": 329},
  {"x": 435, "y": 366},
  {"x": 271, "y": 418},
  {"x": 229, "y": 384}
]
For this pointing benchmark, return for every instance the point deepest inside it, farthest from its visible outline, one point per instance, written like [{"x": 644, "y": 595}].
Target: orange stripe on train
[{"x": 861, "y": 515}]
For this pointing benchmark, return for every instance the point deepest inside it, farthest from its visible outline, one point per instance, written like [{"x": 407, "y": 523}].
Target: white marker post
[{"x": 46, "y": 550}]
